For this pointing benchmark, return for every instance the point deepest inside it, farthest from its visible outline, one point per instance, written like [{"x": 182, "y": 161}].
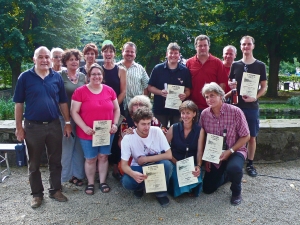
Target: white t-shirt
[{"x": 135, "y": 146}]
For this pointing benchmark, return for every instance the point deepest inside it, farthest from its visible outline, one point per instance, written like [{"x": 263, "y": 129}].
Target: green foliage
[
  {"x": 294, "y": 101},
  {"x": 7, "y": 108},
  {"x": 5, "y": 74},
  {"x": 152, "y": 25}
]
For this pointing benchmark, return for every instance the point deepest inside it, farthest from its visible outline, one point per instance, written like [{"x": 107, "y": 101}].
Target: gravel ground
[{"x": 266, "y": 200}]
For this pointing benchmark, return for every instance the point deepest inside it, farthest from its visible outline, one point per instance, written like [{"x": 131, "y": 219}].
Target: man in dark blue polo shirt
[
  {"x": 43, "y": 91},
  {"x": 169, "y": 72}
]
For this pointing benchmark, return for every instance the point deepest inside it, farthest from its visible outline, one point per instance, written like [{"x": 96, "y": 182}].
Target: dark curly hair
[{"x": 67, "y": 54}]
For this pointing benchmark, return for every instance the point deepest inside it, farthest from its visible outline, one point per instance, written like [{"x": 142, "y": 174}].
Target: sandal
[
  {"x": 104, "y": 186},
  {"x": 90, "y": 188},
  {"x": 76, "y": 181}
]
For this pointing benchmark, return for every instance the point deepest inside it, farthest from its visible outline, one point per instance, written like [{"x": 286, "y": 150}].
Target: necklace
[{"x": 73, "y": 79}]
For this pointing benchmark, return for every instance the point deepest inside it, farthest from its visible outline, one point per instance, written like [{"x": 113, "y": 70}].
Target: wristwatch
[
  {"x": 68, "y": 122},
  {"x": 231, "y": 150}
]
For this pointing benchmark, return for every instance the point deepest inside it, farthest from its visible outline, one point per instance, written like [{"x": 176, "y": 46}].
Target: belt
[{"x": 40, "y": 122}]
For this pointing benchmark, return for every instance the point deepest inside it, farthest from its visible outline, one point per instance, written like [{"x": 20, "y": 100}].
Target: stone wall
[{"x": 278, "y": 140}]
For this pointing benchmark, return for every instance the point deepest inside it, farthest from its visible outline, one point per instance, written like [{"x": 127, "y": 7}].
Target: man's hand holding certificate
[
  {"x": 102, "y": 135},
  {"x": 173, "y": 101},
  {"x": 213, "y": 148},
  {"x": 249, "y": 85},
  {"x": 156, "y": 180}
]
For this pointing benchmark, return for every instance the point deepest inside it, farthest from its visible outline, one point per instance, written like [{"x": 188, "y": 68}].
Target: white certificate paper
[
  {"x": 102, "y": 135},
  {"x": 249, "y": 85},
  {"x": 156, "y": 180},
  {"x": 172, "y": 100},
  {"x": 184, "y": 170},
  {"x": 213, "y": 148}
]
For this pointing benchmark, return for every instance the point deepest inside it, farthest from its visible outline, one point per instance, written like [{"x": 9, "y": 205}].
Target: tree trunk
[
  {"x": 273, "y": 75},
  {"x": 15, "y": 66}
]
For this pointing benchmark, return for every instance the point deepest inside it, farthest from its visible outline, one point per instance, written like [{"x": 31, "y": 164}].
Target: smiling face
[
  {"x": 56, "y": 60},
  {"x": 129, "y": 53},
  {"x": 42, "y": 60},
  {"x": 72, "y": 63},
  {"x": 229, "y": 55},
  {"x": 187, "y": 115},
  {"x": 247, "y": 46},
  {"x": 108, "y": 55},
  {"x": 213, "y": 99},
  {"x": 173, "y": 56},
  {"x": 96, "y": 76},
  {"x": 90, "y": 57}
]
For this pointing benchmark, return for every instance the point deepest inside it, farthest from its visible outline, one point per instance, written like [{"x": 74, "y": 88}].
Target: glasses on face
[
  {"x": 138, "y": 105},
  {"x": 96, "y": 74},
  {"x": 245, "y": 68},
  {"x": 57, "y": 57}
]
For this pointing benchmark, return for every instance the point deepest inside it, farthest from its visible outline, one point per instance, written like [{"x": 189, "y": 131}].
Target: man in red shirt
[{"x": 204, "y": 68}]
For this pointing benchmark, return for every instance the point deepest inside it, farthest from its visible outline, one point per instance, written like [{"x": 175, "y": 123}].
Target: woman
[
  {"x": 115, "y": 77},
  {"x": 90, "y": 52},
  {"x": 184, "y": 137},
  {"x": 56, "y": 56},
  {"x": 72, "y": 159},
  {"x": 92, "y": 102}
]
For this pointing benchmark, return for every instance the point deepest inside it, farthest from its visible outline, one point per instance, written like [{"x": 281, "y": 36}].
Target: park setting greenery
[{"x": 151, "y": 24}]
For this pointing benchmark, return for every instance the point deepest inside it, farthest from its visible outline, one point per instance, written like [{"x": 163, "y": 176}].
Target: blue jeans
[{"x": 129, "y": 183}]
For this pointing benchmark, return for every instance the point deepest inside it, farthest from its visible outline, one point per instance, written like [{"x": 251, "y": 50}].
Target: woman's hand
[
  {"x": 88, "y": 130},
  {"x": 197, "y": 171},
  {"x": 113, "y": 129},
  {"x": 127, "y": 131}
]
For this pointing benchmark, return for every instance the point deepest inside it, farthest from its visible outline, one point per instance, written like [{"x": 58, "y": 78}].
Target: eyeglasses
[
  {"x": 138, "y": 104},
  {"x": 96, "y": 74},
  {"x": 57, "y": 57},
  {"x": 245, "y": 68}
]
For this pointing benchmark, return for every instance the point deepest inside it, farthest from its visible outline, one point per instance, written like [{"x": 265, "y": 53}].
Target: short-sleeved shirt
[
  {"x": 227, "y": 71},
  {"x": 160, "y": 75},
  {"x": 42, "y": 96},
  {"x": 179, "y": 143},
  {"x": 236, "y": 72},
  {"x": 94, "y": 107},
  {"x": 211, "y": 71},
  {"x": 134, "y": 145},
  {"x": 231, "y": 118},
  {"x": 69, "y": 86},
  {"x": 136, "y": 79}
]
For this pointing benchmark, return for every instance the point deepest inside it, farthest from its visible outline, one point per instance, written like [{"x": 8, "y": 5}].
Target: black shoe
[
  {"x": 251, "y": 171},
  {"x": 138, "y": 194},
  {"x": 163, "y": 201},
  {"x": 236, "y": 200}
]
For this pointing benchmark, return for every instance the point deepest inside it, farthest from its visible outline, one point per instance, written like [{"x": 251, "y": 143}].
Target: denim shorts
[
  {"x": 252, "y": 117},
  {"x": 91, "y": 152}
]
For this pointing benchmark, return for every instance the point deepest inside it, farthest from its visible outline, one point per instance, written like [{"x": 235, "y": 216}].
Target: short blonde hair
[
  {"x": 139, "y": 98},
  {"x": 213, "y": 87}
]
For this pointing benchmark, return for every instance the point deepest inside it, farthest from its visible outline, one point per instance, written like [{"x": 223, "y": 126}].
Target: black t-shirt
[{"x": 236, "y": 72}]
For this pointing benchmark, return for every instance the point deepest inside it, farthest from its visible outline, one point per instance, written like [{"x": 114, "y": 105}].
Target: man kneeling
[{"x": 147, "y": 145}]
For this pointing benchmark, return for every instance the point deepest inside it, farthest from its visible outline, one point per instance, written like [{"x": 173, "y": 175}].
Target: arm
[
  {"x": 66, "y": 114},
  {"x": 137, "y": 176},
  {"x": 75, "y": 108},
  {"x": 186, "y": 94},
  {"x": 169, "y": 136},
  {"x": 146, "y": 92},
  {"x": 122, "y": 76},
  {"x": 20, "y": 133},
  {"x": 201, "y": 145},
  {"x": 154, "y": 158},
  {"x": 156, "y": 91},
  {"x": 261, "y": 92},
  {"x": 114, "y": 127}
]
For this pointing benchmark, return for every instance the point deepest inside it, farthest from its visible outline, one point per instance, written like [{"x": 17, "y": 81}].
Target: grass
[{"x": 277, "y": 106}]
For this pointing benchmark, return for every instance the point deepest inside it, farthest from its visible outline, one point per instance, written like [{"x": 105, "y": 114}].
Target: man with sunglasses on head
[{"x": 247, "y": 104}]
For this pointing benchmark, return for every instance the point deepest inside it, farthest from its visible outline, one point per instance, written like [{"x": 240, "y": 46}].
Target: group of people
[{"x": 63, "y": 100}]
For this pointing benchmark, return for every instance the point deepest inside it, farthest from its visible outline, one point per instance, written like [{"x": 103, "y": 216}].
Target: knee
[
  {"x": 91, "y": 161},
  {"x": 252, "y": 140},
  {"x": 102, "y": 158}
]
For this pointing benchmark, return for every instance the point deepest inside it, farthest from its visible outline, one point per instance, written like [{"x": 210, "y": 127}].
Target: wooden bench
[{"x": 5, "y": 173}]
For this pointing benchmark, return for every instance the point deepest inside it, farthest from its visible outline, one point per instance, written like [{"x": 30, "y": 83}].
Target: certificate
[
  {"x": 102, "y": 135},
  {"x": 184, "y": 170},
  {"x": 172, "y": 100},
  {"x": 156, "y": 180},
  {"x": 249, "y": 85},
  {"x": 213, "y": 148}
]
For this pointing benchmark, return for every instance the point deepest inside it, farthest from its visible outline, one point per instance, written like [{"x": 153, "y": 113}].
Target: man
[
  {"x": 56, "y": 56},
  {"x": 137, "y": 78},
  {"x": 204, "y": 68},
  {"x": 214, "y": 120},
  {"x": 146, "y": 145},
  {"x": 169, "y": 72},
  {"x": 229, "y": 54},
  {"x": 42, "y": 89},
  {"x": 248, "y": 104}
]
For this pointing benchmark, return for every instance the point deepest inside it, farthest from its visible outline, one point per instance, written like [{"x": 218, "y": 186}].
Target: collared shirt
[
  {"x": 42, "y": 96},
  {"x": 160, "y": 75},
  {"x": 211, "y": 71},
  {"x": 231, "y": 118},
  {"x": 136, "y": 81}
]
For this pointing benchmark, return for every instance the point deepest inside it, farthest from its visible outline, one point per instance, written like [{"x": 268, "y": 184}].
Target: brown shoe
[
  {"x": 58, "y": 196},
  {"x": 36, "y": 202}
]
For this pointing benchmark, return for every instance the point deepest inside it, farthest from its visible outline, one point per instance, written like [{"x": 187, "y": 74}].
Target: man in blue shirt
[
  {"x": 169, "y": 72},
  {"x": 43, "y": 91}
]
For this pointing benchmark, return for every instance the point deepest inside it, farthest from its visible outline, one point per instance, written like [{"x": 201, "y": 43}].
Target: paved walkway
[{"x": 272, "y": 199}]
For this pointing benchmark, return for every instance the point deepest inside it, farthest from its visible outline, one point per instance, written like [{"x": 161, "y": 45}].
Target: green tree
[
  {"x": 273, "y": 24},
  {"x": 152, "y": 25},
  {"x": 26, "y": 25}
]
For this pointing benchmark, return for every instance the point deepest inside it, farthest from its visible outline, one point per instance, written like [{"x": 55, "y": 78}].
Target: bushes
[
  {"x": 7, "y": 109},
  {"x": 295, "y": 101}
]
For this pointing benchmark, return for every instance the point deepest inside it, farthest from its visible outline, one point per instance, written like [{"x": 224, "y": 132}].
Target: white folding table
[{"x": 4, "y": 148}]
